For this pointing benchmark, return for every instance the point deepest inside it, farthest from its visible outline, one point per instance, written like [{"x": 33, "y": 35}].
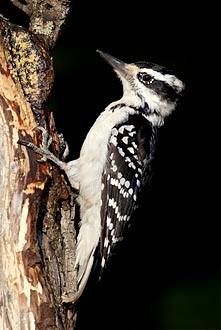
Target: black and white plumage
[
  {"x": 118, "y": 153},
  {"x": 128, "y": 168},
  {"x": 116, "y": 157}
]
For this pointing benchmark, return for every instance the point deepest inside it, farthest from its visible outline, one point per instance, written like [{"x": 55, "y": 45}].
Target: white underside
[{"x": 89, "y": 172}]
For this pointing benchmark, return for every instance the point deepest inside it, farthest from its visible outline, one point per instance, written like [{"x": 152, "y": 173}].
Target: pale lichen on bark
[
  {"x": 29, "y": 63},
  {"x": 47, "y": 18}
]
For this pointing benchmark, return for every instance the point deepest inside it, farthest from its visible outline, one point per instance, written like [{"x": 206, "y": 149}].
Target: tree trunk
[{"x": 37, "y": 209}]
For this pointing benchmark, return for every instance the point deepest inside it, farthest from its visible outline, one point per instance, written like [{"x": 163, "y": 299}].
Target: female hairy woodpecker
[{"x": 116, "y": 157}]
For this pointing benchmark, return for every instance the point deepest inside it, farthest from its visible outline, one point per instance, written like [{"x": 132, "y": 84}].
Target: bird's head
[{"x": 147, "y": 86}]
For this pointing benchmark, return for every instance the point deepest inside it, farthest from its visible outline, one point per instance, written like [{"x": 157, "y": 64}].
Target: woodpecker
[{"x": 116, "y": 159}]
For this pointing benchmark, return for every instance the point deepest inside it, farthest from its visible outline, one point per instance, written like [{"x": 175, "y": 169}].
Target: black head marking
[
  {"x": 161, "y": 87},
  {"x": 153, "y": 66},
  {"x": 165, "y": 90}
]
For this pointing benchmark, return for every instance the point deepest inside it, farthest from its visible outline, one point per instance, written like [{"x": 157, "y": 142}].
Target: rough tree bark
[{"x": 37, "y": 206}]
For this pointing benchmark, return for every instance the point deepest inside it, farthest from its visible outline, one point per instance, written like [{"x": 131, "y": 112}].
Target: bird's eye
[{"x": 145, "y": 78}]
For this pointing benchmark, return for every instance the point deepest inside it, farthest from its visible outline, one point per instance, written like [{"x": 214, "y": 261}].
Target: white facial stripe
[
  {"x": 168, "y": 78},
  {"x": 174, "y": 82}
]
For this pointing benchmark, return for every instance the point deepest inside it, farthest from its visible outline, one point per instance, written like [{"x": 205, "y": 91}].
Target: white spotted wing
[{"x": 130, "y": 151}]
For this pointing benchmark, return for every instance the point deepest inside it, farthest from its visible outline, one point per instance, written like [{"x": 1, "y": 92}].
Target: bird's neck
[{"x": 137, "y": 103}]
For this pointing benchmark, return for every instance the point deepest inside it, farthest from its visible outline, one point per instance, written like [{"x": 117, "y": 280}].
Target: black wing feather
[{"x": 128, "y": 168}]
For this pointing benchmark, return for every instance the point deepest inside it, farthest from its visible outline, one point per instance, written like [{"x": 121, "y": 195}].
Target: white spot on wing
[
  {"x": 103, "y": 262},
  {"x": 125, "y": 139},
  {"x": 108, "y": 221},
  {"x": 122, "y": 180},
  {"x": 112, "y": 203},
  {"x": 121, "y": 130},
  {"x": 119, "y": 175},
  {"x": 131, "y": 150},
  {"x": 113, "y": 140},
  {"x": 132, "y": 133},
  {"x": 114, "y": 168},
  {"x": 121, "y": 152},
  {"x": 127, "y": 184},
  {"x": 114, "y": 131},
  {"x": 131, "y": 164},
  {"x": 112, "y": 181},
  {"x": 130, "y": 191},
  {"x": 106, "y": 242},
  {"x": 138, "y": 183},
  {"x": 129, "y": 127}
]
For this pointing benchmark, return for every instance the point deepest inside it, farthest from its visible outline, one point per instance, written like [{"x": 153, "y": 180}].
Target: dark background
[{"x": 167, "y": 275}]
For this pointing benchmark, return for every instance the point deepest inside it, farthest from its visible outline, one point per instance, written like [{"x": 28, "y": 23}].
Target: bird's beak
[{"x": 121, "y": 68}]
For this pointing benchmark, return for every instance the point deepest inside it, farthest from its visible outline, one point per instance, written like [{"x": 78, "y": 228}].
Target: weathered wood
[
  {"x": 37, "y": 234},
  {"x": 22, "y": 284}
]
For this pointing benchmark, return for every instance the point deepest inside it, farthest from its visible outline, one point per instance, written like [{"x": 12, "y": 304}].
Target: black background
[{"x": 167, "y": 274}]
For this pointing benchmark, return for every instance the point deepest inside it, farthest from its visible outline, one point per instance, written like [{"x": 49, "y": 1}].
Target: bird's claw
[{"x": 46, "y": 142}]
